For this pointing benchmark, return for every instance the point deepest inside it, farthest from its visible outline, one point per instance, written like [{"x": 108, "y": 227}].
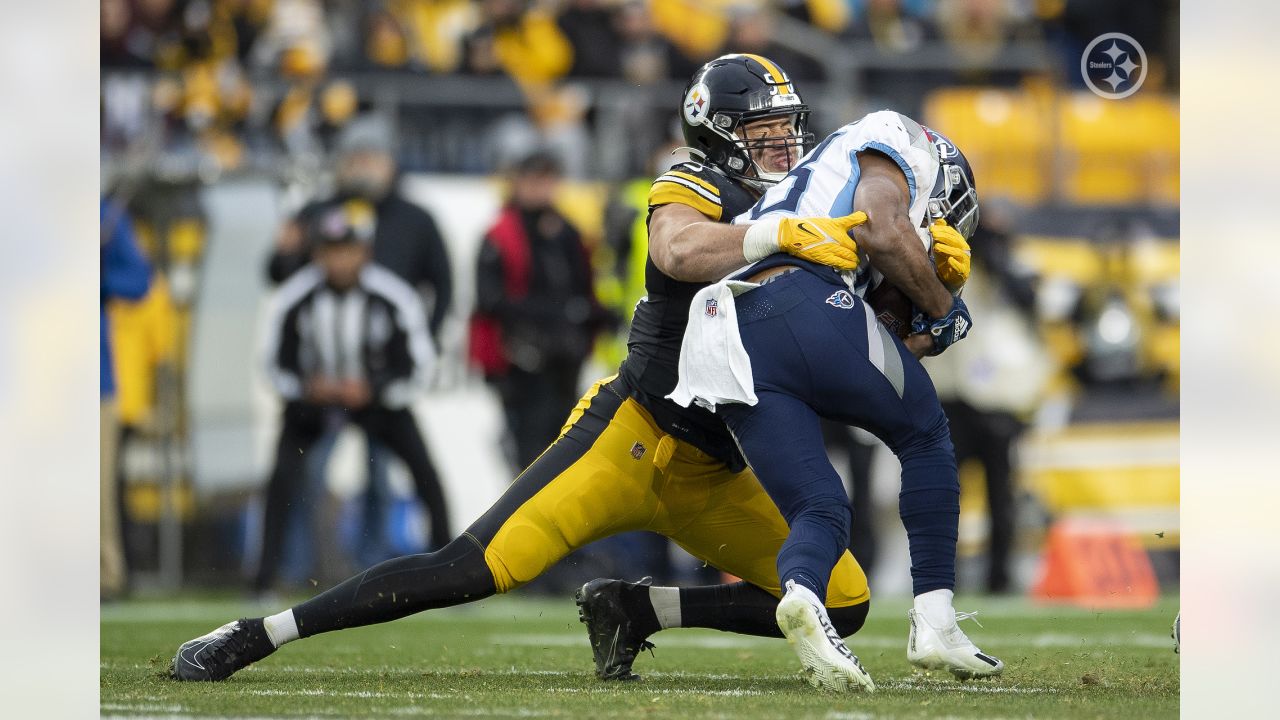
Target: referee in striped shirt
[{"x": 346, "y": 341}]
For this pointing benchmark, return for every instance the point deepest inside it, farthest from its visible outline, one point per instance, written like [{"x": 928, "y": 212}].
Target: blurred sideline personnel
[
  {"x": 407, "y": 242},
  {"x": 124, "y": 275},
  {"x": 803, "y": 345},
  {"x": 627, "y": 459},
  {"x": 536, "y": 311},
  {"x": 346, "y": 338}
]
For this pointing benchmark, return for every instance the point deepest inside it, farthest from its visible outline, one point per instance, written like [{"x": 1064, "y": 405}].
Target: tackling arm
[
  {"x": 686, "y": 246},
  {"x": 689, "y": 247}
]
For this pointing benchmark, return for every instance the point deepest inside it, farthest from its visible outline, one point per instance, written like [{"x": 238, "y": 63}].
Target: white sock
[
  {"x": 666, "y": 605},
  {"x": 281, "y": 628},
  {"x": 935, "y": 606}
]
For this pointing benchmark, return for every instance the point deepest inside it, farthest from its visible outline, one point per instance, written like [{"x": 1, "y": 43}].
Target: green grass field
[{"x": 528, "y": 657}]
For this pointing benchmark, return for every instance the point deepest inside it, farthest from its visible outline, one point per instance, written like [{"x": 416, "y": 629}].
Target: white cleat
[
  {"x": 948, "y": 649},
  {"x": 825, "y": 660}
]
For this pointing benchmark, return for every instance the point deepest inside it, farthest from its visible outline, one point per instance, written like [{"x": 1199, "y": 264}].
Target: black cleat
[
  {"x": 616, "y": 638},
  {"x": 222, "y": 652}
]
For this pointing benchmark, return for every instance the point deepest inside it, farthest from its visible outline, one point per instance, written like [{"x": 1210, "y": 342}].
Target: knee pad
[{"x": 849, "y": 620}]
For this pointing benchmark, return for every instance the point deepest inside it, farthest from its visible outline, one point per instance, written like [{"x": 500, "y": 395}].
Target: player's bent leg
[
  {"x": 728, "y": 521},
  {"x": 528, "y": 529},
  {"x": 799, "y": 478},
  {"x": 929, "y": 505},
  {"x": 586, "y": 486},
  {"x": 387, "y": 591},
  {"x": 740, "y": 530},
  {"x": 737, "y": 528}
]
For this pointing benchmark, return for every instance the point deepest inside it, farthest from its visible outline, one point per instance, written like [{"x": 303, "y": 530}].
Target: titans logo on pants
[{"x": 841, "y": 299}]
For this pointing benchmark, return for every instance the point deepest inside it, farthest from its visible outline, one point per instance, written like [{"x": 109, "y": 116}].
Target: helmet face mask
[
  {"x": 728, "y": 94},
  {"x": 955, "y": 197},
  {"x": 956, "y": 201},
  {"x": 791, "y": 145}
]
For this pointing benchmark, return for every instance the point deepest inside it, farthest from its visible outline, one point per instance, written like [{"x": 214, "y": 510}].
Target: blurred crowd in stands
[{"x": 233, "y": 78}]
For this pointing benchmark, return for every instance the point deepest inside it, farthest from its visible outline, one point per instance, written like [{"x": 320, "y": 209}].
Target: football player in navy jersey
[
  {"x": 811, "y": 347},
  {"x": 627, "y": 457}
]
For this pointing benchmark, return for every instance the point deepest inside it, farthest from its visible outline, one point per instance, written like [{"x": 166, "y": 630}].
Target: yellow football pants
[{"x": 613, "y": 470}]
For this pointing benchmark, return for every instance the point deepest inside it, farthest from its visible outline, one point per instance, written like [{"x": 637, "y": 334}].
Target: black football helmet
[
  {"x": 955, "y": 194},
  {"x": 729, "y": 92}
]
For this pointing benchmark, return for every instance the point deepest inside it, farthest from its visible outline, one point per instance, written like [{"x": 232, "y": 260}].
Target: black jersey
[{"x": 653, "y": 348}]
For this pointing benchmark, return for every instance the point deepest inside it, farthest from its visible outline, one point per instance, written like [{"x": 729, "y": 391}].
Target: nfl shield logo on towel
[
  {"x": 712, "y": 307},
  {"x": 637, "y": 451}
]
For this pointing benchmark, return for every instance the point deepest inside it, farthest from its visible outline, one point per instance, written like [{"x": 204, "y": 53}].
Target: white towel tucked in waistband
[{"x": 714, "y": 367}]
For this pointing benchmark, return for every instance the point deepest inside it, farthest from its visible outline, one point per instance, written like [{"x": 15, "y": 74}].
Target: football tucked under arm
[{"x": 892, "y": 308}]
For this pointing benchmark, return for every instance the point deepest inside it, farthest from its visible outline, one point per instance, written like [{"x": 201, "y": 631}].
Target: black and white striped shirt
[{"x": 375, "y": 331}]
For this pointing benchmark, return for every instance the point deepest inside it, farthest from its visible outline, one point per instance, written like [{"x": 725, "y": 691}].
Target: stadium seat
[
  {"x": 1003, "y": 134},
  {"x": 1116, "y": 152}
]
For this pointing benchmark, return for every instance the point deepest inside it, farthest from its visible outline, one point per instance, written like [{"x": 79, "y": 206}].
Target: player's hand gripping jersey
[{"x": 824, "y": 181}]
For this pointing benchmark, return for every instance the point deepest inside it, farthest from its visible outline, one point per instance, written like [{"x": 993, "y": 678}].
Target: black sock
[
  {"x": 402, "y": 586},
  {"x": 746, "y": 609},
  {"x": 258, "y": 644},
  {"x": 738, "y": 607}
]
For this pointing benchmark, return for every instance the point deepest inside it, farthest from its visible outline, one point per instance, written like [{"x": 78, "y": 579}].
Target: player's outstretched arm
[{"x": 689, "y": 247}]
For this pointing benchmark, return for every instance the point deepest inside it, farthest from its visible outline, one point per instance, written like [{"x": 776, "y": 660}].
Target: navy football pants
[{"x": 817, "y": 351}]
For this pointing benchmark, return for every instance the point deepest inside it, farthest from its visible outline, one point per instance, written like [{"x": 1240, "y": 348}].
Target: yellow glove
[
  {"x": 819, "y": 239},
  {"x": 950, "y": 255}
]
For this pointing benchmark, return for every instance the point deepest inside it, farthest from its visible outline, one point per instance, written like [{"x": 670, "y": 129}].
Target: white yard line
[
  {"x": 980, "y": 688},
  {"x": 738, "y": 642}
]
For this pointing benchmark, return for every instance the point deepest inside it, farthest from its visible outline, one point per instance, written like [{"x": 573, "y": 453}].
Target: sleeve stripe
[
  {"x": 666, "y": 193},
  {"x": 410, "y": 316},
  {"x": 287, "y": 296},
  {"x": 897, "y": 158},
  {"x": 696, "y": 188},
  {"x": 693, "y": 179}
]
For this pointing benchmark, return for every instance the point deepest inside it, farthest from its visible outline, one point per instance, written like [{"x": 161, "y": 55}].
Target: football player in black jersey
[{"x": 627, "y": 458}]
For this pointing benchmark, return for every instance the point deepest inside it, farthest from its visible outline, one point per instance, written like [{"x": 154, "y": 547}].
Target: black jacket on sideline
[
  {"x": 406, "y": 241},
  {"x": 556, "y": 320}
]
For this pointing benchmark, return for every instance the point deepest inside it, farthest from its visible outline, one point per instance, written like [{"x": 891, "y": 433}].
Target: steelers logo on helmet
[
  {"x": 725, "y": 96},
  {"x": 697, "y": 104}
]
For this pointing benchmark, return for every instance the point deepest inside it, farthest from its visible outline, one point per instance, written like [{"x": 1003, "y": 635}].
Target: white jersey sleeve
[{"x": 823, "y": 182}]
